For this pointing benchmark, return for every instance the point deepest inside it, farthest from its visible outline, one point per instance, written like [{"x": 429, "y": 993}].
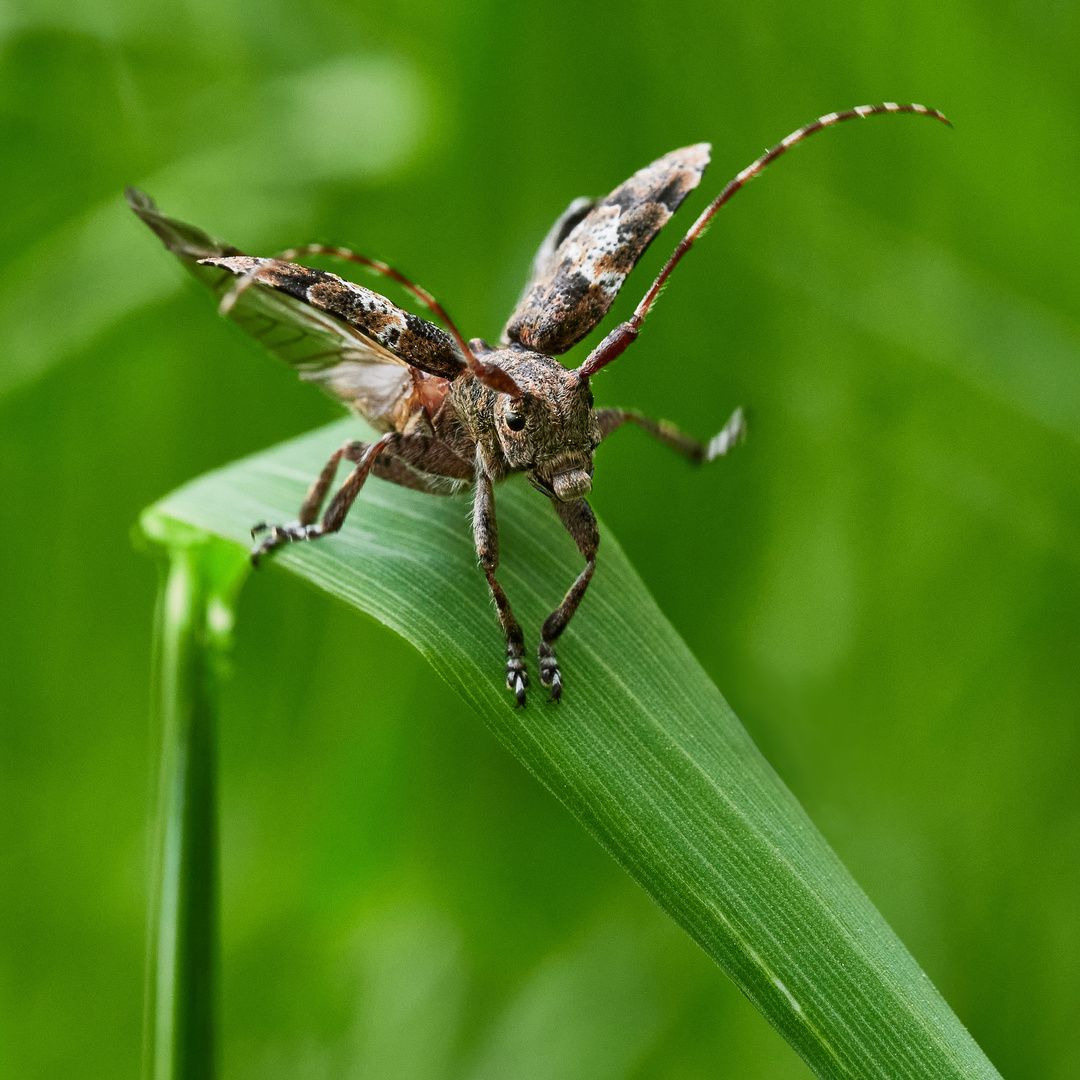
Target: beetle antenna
[{"x": 621, "y": 337}]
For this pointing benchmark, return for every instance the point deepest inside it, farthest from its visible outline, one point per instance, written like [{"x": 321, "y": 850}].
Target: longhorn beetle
[{"x": 453, "y": 412}]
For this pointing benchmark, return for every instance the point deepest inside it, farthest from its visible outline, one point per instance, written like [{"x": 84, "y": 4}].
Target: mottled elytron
[{"x": 453, "y": 412}]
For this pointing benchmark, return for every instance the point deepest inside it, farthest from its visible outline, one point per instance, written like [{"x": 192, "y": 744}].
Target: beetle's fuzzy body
[{"x": 451, "y": 413}]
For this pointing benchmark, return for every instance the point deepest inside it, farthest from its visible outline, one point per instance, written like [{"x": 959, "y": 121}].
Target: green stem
[{"x": 194, "y": 622}]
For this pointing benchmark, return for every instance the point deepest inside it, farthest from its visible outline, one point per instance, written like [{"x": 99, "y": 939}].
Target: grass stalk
[{"x": 193, "y": 631}]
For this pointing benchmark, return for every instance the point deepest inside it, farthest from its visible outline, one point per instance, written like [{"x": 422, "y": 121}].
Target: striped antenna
[{"x": 624, "y": 334}]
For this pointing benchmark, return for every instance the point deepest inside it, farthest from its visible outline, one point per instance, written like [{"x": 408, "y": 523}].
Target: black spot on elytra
[
  {"x": 428, "y": 331},
  {"x": 567, "y": 289},
  {"x": 571, "y": 222},
  {"x": 625, "y": 198},
  {"x": 296, "y": 280},
  {"x": 673, "y": 194}
]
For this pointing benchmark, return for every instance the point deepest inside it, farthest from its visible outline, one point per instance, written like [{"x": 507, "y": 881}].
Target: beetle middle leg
[
  {"x": 580, "y": 523},
  {"x": 486, "y": 535},
  {"x": 734, "y": 431}
]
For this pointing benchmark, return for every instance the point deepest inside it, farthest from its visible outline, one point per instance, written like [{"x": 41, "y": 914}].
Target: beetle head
[{"x": 549, "y": 430}]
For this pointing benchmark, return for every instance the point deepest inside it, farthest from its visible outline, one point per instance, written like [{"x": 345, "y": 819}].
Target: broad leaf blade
[{"x": 644, "y": 751}]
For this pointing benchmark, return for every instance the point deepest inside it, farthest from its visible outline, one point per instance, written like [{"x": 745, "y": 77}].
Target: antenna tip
[{"x": 937, "y": 114}]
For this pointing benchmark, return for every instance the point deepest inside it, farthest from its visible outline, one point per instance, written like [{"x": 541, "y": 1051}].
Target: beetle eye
[{"x": 515, "y": 421}]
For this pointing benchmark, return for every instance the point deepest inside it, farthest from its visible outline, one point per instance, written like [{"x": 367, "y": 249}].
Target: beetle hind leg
[
  {"x": 415, "y": 461},
  {"x": 305, "y": 528},
  {"x": 280, "y": 535}
]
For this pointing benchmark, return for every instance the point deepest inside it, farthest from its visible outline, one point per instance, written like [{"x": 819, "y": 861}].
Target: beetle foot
[
  {"x": 517, "y": 678},
  {"x": 280, "y": 535},
  {"x": 550, "y": 675}
]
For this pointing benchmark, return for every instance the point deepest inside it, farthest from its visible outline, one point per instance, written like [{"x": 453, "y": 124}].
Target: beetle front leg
[
  {"x": 486, "y": 535},
  {"x": 580, "y": 523}
]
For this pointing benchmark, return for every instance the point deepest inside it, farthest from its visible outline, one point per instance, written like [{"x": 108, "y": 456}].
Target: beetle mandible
[{"x": 453, "y": 412}]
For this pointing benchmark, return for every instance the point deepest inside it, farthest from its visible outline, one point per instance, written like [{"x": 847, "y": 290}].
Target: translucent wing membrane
[
  {"x": 354, "y": 343},
  {"x": 574, "y": 285}
]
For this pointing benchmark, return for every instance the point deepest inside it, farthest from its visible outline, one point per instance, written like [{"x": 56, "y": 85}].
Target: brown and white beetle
[{"x": 454, "y": 412}]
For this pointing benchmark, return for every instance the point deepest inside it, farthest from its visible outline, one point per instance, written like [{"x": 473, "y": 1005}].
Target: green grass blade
[
  {"x": 194, "y": 619},
  {"x": 644, "y": 751}
]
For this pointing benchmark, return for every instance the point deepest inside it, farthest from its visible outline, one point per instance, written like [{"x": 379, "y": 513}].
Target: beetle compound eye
[{"x": 515, "y": 421}]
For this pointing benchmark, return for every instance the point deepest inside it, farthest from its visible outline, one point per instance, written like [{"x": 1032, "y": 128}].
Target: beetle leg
[
  {"x": 312, "y": 504},
  {"x": 394, "y": 470},
  {"x": 486, "y": 535},
  {"x": 305, "y": 527},
  {"x": 425, "y": 453},
  {"x": 580, "y": 523},
  {"x": 734, "y": 431},
  {"x": 417, "y": 461}
]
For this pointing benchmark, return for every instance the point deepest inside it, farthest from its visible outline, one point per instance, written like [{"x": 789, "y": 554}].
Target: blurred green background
[{"x": 883, "y": 581}]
